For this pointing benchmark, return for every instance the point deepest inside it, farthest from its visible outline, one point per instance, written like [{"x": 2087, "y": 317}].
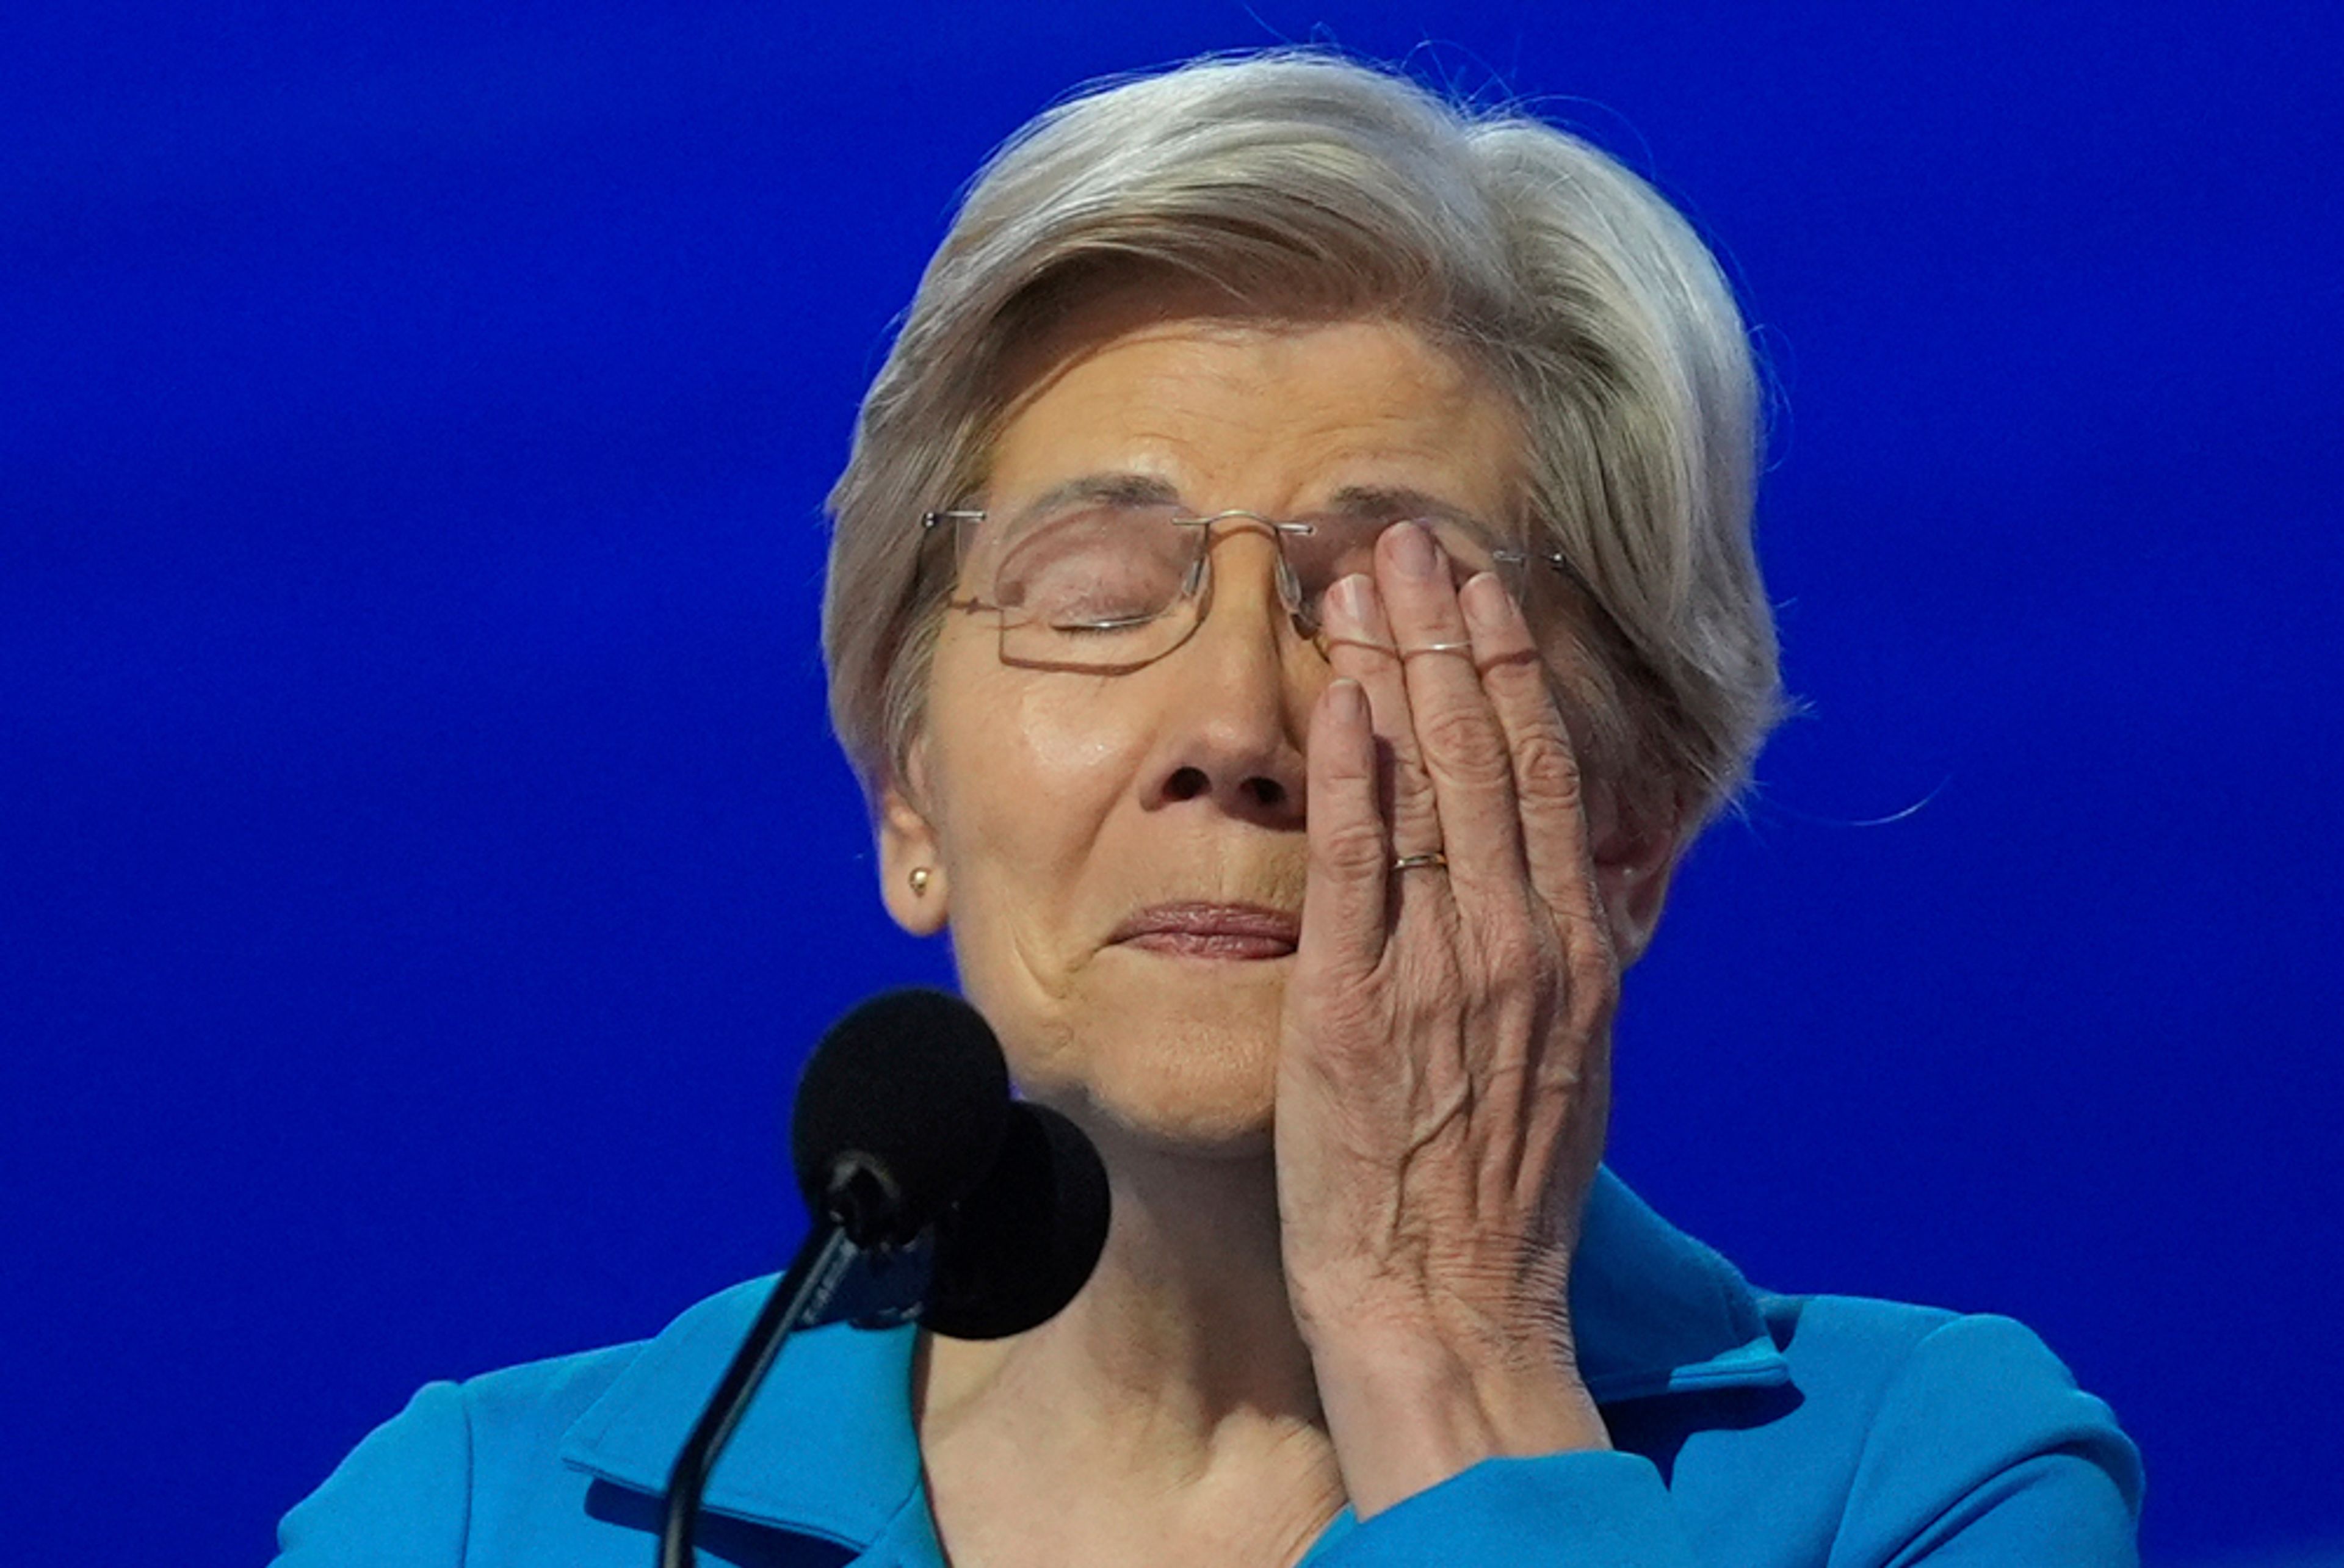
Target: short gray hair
[{"x": 1305, "y": 179}]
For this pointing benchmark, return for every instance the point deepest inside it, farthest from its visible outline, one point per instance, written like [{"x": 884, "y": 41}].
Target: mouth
[{"x": 1233, "y": 931}]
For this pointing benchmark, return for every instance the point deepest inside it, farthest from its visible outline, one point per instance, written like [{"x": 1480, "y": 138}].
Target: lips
[{"x": 1239, "y": 931}]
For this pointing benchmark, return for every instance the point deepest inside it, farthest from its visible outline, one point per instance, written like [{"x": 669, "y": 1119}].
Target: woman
[{"x": 1292, "y": 603}]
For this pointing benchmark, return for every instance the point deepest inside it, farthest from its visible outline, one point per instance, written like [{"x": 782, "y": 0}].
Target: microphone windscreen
[
  {"x": 1024, "y": 1241},
  {"x": 911, "y": 1085}
]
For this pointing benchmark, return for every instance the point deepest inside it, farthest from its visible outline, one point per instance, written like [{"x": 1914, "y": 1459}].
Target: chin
[
  {"x": 1216, "y": 1110},
  {"x": 1199, "y": 1078}
]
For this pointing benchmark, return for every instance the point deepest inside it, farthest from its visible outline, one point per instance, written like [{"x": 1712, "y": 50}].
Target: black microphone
[
  {"x": 1024, "y": 1242},
  {"x": 1004, "y": 1259},
  {"x": 899, "y": 1112},
  {"x": 933, "y": 1196}
]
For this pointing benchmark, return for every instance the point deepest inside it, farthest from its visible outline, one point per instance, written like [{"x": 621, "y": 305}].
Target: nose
[{"x": 1238, "y": 694}]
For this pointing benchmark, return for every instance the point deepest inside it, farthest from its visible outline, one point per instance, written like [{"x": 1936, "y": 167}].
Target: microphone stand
[
  {"x": 822, "y": 1285},
  {"x": 814, "y": 1276}
]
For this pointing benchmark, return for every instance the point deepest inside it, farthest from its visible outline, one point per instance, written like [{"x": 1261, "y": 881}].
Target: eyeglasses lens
[{"x": 1111, "y": 587}]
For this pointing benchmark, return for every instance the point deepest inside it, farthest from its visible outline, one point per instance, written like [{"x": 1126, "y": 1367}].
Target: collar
[
  {"x": 827, "y": 1448},
  {"x": 1656, "y": 1313}
]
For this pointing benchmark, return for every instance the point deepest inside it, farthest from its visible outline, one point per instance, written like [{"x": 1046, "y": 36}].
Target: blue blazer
[{"x": 1750, "y": 1428}]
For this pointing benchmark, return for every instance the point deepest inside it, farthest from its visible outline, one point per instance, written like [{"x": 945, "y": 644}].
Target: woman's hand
[{"x": 1444, "y": 1073}]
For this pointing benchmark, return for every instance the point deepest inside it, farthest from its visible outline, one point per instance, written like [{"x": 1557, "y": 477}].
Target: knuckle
[
  {"x": 1350, "y": 850},
  {"x": 1466, "y": 744},
  {"x": 1594, "y": 979},
  {"x": 1546, "y": 769},
  {"x": 1408, "y": 777},
  {"x": 1511, "y": 952},
  {"x": 1516, "y": 681},
  {"x": 1429, "y": 988}
]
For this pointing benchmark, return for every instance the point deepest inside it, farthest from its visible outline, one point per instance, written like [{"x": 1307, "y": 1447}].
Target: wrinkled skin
[{"x": 1380, "y": 1140}]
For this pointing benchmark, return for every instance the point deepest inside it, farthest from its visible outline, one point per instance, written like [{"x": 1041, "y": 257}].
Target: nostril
[
  {"x": 1266, "y": 793},
  {"x": 1187, "y": 784}
]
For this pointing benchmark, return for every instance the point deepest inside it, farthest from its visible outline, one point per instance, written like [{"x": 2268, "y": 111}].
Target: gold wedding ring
[{"x": 1432, "y": 857}]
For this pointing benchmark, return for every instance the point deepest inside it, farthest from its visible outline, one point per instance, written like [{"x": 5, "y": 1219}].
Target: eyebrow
[
  {"x": 1112, "y": 487},
  {"x": 1393, "y": 502}
]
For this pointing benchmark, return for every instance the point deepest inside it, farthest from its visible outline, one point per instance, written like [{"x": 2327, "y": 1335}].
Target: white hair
[{"x": 1300, "y": 180}]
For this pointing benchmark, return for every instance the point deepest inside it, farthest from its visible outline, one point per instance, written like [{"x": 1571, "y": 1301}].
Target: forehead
[{"x": 1268, "y": 415}]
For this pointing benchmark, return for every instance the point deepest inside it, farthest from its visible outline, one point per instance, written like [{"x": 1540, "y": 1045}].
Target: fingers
[
  {"x": 1458, "y": 736},
  {"x": 1550, "y": 802},
  {"x": 1475, "y": 759},
  {"x": 1349, "y": 852},
  {"x": 1361, "y": 647}
]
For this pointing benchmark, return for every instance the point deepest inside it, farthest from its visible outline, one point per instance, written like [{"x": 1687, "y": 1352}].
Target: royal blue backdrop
[{"x": 424, "y": 862}]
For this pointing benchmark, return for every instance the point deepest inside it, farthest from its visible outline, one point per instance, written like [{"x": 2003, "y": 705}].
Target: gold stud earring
[{"x": 919, "y": 880}]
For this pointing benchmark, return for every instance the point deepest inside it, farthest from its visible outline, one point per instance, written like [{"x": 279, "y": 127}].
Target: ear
[
  {"x": 908, "y": 844},
  {"x": 1634, "y": 847}
]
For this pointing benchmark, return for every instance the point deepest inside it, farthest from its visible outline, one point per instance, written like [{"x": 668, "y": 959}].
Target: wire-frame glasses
[{"x": 1112, "y": 585}]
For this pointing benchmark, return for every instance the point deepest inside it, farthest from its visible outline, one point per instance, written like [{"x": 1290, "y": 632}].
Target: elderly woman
[{"x": 1292, "y": 603}]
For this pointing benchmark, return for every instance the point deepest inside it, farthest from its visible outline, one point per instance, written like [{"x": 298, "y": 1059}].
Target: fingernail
[
  {"x": 1347, "y": 605},
  {"x": 1355, "y": 597},
  {"x": 1484, "y": 599},
  {"x": 1347, "y": 703},
  {"x": 1413, "y": 551}
]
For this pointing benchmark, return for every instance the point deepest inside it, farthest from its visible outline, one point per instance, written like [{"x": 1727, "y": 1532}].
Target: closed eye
[{"x": 1109, "y": 623}]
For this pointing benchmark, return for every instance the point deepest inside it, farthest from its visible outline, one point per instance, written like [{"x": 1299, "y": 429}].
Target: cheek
[
  {"x": 1026, "y": 770},
  {"x": 1030, "y": 770}
]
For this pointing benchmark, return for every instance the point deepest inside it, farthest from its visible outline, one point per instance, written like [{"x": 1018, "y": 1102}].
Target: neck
[{"x": 1182, "y": 1352}]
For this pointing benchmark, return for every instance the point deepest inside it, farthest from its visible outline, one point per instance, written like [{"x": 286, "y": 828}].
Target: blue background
[{"x": 412, "y": 771}]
